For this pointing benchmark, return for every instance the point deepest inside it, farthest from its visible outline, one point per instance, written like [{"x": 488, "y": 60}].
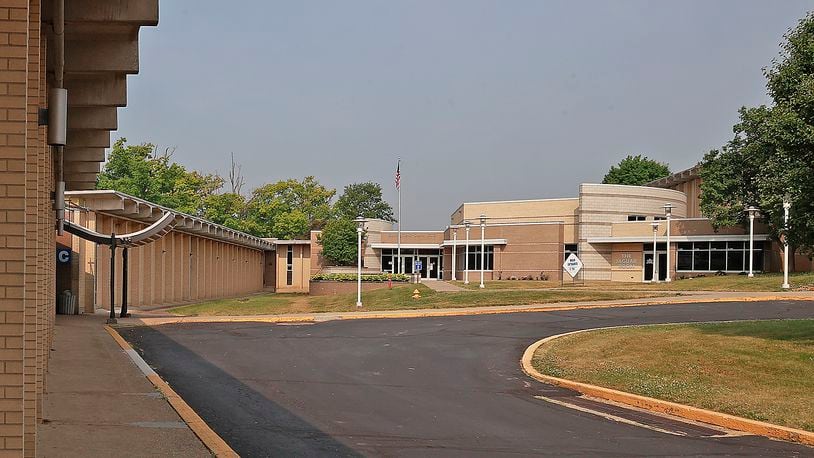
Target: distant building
[{"x": 609, "y": 227}]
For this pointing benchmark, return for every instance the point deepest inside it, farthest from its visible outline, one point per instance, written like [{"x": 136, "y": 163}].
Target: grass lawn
[
  {"x": 763, "y": 370},
  {"x": 760, "y": 282},
  {"x": 398, "y": 298}
]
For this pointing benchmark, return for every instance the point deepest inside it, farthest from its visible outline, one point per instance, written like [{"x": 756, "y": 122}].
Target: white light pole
[
  {"x": 655, "y": 225},
  {"x": 466, "y": 261},
  {"x": 482, "y": 247},
  {"x": 454, "y": 250},
  {"x": 786, "y": 207},
  {"x": 360, "y": 227},
  {"x": 668, "y": 211},
  {"x": 752, "y": 211}
]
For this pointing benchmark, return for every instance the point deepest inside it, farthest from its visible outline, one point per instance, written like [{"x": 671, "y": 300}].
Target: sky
[{"x": 481, "y": 100}]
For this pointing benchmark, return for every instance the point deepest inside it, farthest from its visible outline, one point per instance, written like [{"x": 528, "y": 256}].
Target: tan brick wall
[
  {"x": 177, "y": 268},
  {"x": 603, "y": 205},
  {"x": 13, "y": 218}
]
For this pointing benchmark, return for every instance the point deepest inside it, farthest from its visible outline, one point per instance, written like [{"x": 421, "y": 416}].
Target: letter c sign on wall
[{"x": 63, "y": 255}]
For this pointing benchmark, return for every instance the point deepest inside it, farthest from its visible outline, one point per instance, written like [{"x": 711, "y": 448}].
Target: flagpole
[{"x": 398, "y": 241}]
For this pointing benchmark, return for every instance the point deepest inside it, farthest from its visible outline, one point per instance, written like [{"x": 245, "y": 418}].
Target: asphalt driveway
[{"x": 448, "y": 386}]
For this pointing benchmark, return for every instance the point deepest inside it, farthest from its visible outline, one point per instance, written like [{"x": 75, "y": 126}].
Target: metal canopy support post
[
  {"x": 124, "y": 313},
  {"x": 112, "y": 318}
]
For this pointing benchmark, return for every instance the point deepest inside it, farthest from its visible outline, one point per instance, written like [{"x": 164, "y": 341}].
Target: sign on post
[
  {"x": 572, "y": 265},
  {"x": 418, "y": 266}
]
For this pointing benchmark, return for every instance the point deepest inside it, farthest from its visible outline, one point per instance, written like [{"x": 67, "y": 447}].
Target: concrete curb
[
  {"x": 428, "y": 313},
  {"x": 656, "y": 405},
  {"x": 210, "y": 439}
]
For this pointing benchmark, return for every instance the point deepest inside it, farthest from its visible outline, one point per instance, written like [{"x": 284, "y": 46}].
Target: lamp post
[
  {"x": 752, "y": 212},
  {"x": 655, "y": 277},
  {"x": 360, "y": 227},
  {"x": 482, "y": 247},
  {"x": 786, "y": 208},
  {"x": 466, "y": 261},
  {"x": 454, "y": 250},
  {"x": 668, "y": 212}
]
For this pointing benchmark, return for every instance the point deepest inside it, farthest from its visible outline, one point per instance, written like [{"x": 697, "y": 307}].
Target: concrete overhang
[
  {"x": 125, "y": 206},
  {"x": 101, "y": 49}
]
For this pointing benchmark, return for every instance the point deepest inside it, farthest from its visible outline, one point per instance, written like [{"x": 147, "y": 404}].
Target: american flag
[{"x": 398, "y": 176}]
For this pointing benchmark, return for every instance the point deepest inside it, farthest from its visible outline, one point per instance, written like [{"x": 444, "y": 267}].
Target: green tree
[
  {"x": 772, "y": 152},
  {"x": 139, "y": 171},
  {"x": 271, "y": 201},
  {"x": 227, "y": 208},
  {"x": 339, "y": 244},
  {"x": 290, "y": 225},
  {"x": 363, "y": 199},
  {"x": 637, "y": 171}
]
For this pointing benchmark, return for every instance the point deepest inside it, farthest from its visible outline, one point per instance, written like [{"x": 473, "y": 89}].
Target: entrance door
[
  {"x": 662, "y": 266},
  {"x": 648, "y": 267},
  {"x": 432, "y": 267},
  {"x": 425, "y": 265}
]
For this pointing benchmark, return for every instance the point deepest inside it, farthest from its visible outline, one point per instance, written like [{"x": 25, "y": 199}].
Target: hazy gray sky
[{"x": 483, "y": 100}]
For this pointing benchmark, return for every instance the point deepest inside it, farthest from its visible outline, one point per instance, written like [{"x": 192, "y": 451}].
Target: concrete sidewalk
[
  {"x": 687, "y": 297},
  {"x": 98, "y": 403},
  {"x": 442, "y": 286}
]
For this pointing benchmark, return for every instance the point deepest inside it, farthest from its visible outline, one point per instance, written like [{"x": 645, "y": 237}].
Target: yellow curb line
[
  {"x": 210, "y": 439},
  {"x": 657, "y": 405},
  {"x": 428, "y": 313}
]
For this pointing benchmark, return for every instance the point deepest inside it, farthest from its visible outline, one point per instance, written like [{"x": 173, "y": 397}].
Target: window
[
  {"x": 636, "y": 218},
  {"x": 659, "y": 218},
  {"x": 568, "y": 249},
  {"x": 474, "y": 257},
  {"x": 717, "y": 256},
  {"x": 289, "y": 266}
]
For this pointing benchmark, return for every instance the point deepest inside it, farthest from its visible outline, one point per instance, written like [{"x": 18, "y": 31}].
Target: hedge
[{"x": 365, "y": 277}]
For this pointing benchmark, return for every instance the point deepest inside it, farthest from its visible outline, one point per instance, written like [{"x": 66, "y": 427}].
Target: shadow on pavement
[{"x": 256, "y": 426}]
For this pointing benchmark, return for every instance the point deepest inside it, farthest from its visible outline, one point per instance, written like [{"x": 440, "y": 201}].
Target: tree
[
  {"x": 139, "y": 170},
  {"x": 637, "y": 171},
  {"x": 290, "y": 225},
  {"x": 338, "y": 240},
  {"x": 363, "y": 199},
  {"x": 772, "y": 152},
  {"x": 228, "y": 209},
  {"x": 271, "y": 201}
]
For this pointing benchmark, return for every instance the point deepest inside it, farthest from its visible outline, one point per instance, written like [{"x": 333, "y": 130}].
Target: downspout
[{"x": 57, "y": 114}]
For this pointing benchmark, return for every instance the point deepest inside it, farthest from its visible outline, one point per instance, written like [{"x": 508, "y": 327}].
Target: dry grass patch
[{"x": 763, "y": 370}]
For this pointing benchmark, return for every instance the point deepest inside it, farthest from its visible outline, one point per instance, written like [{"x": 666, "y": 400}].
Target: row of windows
[
  {"x": 644, "y": 218},
  {"x": 718, "y": 256},
  {"x": 474, "y": 258}
]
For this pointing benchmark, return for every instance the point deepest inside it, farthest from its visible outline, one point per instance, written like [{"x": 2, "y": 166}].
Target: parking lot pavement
[{"x": 417, "y": 387}]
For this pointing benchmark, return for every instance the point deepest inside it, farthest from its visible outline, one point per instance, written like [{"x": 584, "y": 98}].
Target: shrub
[{"x": 365, "y": 277}]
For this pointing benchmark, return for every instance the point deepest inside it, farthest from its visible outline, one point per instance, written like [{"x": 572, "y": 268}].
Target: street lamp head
[
  {"x": 655, "y": 226},
  {"x": 668, "y": 209},
  {"x": 468, "y": 224},
  {"x": 751, "y": 210},
  {"x": 360, "y": 222},
  {"x": 482, "y": 219}
]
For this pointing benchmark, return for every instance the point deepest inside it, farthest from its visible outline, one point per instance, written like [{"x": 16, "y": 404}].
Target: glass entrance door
[
  {"x": 432, "y": 267},
  {"x": 649, "y": 266}
]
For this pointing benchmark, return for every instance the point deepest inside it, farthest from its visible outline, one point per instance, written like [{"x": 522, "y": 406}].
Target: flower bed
[{"x": 343, "y": 277}]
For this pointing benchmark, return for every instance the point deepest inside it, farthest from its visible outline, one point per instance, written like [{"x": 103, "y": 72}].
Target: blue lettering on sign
[{"x": 63, "y": 255}]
